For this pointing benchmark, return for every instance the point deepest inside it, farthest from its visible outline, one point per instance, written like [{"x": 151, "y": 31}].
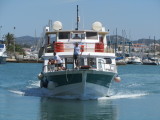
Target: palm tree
[
  {"x": 11, "y": 46},
  {"x": 9, "y": 38}
]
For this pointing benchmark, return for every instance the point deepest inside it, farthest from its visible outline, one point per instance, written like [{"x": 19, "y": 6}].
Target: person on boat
[
  {"x": 77, "y": 52},
  {"x": 49, "y": 65},
  {"x": 57, "y": 61},
  {"x": 76, "y": 36}
]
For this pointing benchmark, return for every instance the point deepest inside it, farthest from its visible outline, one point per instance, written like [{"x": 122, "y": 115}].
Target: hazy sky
[{"x": 139, "y": 18}]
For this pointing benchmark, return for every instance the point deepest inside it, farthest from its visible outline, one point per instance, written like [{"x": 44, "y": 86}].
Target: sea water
[{"x": 136, "y": 97}]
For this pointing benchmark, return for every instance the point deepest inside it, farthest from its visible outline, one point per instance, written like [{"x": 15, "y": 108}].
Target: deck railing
[
  {"x": 53, "y": 68},
  {"x": 85, "y": 47}
]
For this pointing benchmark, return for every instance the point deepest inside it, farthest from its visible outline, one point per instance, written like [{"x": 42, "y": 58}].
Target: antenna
[{"x": 50, "y": 25}]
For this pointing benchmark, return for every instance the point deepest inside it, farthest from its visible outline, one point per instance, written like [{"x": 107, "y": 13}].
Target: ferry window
[
  {"x": 52, "y": 38},
  {"x": 81, "y": 61},
  {"x": 99, "y": 63},
  {"x": 82, "y": 36},
  {"x": 50, "y": 43},
  {"x": 91, "y": 35},
  {"x": 108, "y": 60},
  {"x": 78, "y": 36},
  {"x": 69, "y": 63},
  {"x": 92, "y": 62},
  {"x": 64, "y": 35}
]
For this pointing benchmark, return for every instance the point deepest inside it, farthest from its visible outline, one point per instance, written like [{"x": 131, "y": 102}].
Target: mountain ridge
[{"x": 30, "y": 41}]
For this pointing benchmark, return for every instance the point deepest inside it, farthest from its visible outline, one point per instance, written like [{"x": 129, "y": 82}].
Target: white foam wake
[
  {"x": 121, "y": 96},
  {"x": 17, "y": 92},
  {"x": 43, "y": 92},
  {"x": 34, "y": 84}
]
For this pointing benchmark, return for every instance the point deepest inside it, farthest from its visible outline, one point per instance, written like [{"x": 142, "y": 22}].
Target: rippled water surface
[{"x": 136, "y": 97}]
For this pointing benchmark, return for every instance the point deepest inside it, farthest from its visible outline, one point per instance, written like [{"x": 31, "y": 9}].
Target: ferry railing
[
  {"x": 85, "y": 47},
  {"x": 113, "y": 68},
  {"x": 108, "y": 67},
  {"x": 49, "y": 68},
  {"x": 53, "y": 68}
]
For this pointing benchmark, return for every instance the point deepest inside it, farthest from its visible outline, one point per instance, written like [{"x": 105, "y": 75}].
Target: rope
[{"x": 66, "y": 76}]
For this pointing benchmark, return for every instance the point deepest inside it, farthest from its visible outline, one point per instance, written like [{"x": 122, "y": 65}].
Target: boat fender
[
  {"x": 51, "y": 85},
  {"x": 117, "y": 79},
  {"x": 40, "y": 76}
]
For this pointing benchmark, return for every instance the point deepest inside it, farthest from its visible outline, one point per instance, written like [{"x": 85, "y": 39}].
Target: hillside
[
  {"x": 120, "y": 39},
  {"x": 28, "y": 41}
]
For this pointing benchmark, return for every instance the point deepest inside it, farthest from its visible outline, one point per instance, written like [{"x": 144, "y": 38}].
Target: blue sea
[{"x": 136, "y": 97}]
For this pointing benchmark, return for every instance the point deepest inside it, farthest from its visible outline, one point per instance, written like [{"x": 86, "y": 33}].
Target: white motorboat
[
  {"x": 151, "y": 61},
  {"x": 134, "y": 60},
  {"x": 120, "y": 61},
  {"x": 3, "y": 54}
]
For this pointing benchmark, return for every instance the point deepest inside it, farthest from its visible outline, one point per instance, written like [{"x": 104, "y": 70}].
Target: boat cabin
[
  {"x": 95, "y": 54},
  {"x": 64, "y": 41}
]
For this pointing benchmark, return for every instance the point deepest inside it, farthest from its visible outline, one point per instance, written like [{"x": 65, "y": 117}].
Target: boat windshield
[
  {"x": 91, "y": 35},
  {"x": 78, "y": 36},
  {"x": 92, "y": 62},
  {"x": 64, "y": 35}
]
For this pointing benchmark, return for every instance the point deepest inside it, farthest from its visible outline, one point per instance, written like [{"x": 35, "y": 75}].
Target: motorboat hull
[
  {"x": 137, "y": 63},
  {"x": 150, "y": 63},
  {"x": 79, "y": 82}
]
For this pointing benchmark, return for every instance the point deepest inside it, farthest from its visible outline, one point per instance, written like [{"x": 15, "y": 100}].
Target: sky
[{"x": 139, "y": 18}]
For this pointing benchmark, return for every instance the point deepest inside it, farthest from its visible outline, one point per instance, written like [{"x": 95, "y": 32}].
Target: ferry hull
[{"x": 79, "y": 83}]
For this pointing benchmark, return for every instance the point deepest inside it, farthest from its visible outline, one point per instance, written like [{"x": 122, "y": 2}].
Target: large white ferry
[{"x": 97, "y": 66}]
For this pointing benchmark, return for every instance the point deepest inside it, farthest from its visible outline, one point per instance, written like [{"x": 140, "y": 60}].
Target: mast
[
  {"x": 116, "y": 43},
  {"x": 154, "y": 48},
  {"x": 123, "y": 43},
  {"x": 0, "y": 32},
  {"x": 77, "y": 18}
]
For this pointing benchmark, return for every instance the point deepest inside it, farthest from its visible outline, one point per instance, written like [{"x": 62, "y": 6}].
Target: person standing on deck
[{"x": 77, "y": 52}]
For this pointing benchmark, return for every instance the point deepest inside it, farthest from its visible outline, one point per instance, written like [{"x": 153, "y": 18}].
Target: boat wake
[
  {"x": 34, "y": 90},
  {"x": 124, "y": 96},
  {"x": 43, "y": 92}
]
